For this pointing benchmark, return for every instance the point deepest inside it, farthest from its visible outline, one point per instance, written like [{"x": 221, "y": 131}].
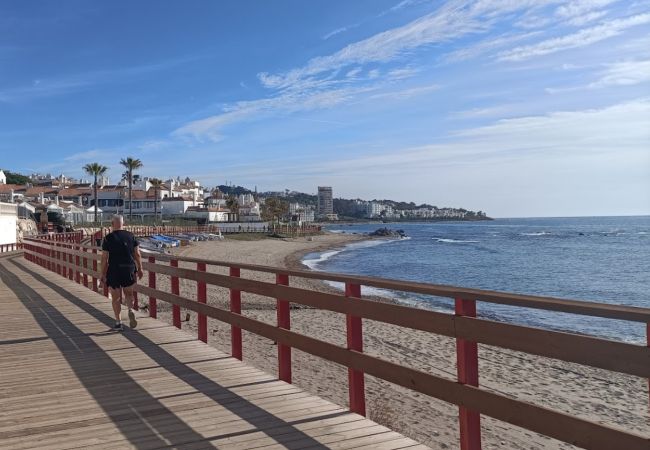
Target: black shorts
[{"x": 122, "y": 278}]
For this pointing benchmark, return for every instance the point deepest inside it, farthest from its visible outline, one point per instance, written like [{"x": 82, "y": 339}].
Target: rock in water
[{"x": 387, "y": 232}]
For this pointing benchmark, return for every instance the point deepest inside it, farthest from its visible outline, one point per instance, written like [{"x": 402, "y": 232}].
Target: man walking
[{"x": 121, "y": 263}]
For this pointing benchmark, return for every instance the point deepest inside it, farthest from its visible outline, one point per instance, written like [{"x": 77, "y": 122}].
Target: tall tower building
[{"x": 325, "y": 202}]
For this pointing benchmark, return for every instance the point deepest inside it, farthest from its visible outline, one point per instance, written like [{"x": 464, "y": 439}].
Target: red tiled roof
[
  {"x": 6, "y": 188},
  {"x": 36, "y": 190},
  {"x": 177, "y": 199},
  {"x": 74, "y": 192}
]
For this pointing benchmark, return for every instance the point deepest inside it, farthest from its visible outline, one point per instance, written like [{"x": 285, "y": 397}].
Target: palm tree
[
  {"x": 95, "y": 169},
  {"x": 233, "y": 204},
  {"x": 156, "y": 184},
  {"x": 131, "y": 164}
]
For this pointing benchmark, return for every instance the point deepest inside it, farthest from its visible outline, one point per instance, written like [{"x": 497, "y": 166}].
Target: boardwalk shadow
[{"x": 148, "y": 423}]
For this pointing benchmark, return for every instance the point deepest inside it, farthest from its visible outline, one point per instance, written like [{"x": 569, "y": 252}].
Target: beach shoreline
[{"x": 586, "y": 392}]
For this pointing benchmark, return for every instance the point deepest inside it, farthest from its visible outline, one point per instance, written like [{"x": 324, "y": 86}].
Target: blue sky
[{"x": 517, "y": 108}]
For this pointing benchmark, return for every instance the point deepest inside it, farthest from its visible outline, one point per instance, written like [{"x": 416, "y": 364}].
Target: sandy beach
[{"x": 610, "y": 398}]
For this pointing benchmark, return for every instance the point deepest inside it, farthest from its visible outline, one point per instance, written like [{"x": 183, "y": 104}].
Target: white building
[
  {"x": 250, "y": 213},
  {"x": 245, "y": 199},
  {"x": 8, "y": 219},
  {"x": 377, "y": 209},
  {"x": 208, "y": 215},
  {"x": 175, "y": 206},
  {"x": 3, "y": 177}
]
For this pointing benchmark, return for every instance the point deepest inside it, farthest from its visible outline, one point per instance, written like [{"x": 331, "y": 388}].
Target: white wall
[
  {"x": 8, "y": 217},
  {"x": 175, "y": 207}
]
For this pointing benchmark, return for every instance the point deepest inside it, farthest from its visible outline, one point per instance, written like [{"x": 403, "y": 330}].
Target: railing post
[
  {"x": 85, "y": 266},
  {"x": 235, "y": 307},
  {"x": 57, "y": 256},
  {"x": 176, "y": 310},
  {"x": 153, "y": 307},
  {"x": 467, "y": 367},
  {"x": 356, "y": 379},
  {"x": 284, "y": 321},
  {"x": 105, "y": 286},
  {"x": 71, "y": 270},
  {"x": 647, "y": 340},
  {"x": 95, "y": 285},
  {"x": 202, "y": 296},
  {"x": 77, "y": 274}
]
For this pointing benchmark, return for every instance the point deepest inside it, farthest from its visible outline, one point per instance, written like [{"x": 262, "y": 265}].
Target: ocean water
[{"x": 603, "y": 259}]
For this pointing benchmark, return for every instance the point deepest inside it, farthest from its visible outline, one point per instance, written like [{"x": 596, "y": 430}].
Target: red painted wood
[
  {"x": 235, "y": 307},
  {"x": 153, "y": 307},
  {"x": 356, "y": 378},
  {"x": 284, "y": 321},
  {"x": 70, "y": 270},
  {"x": 467, "y": 367},
  {"x": 202, "y": 297},
  {"x": 176, "y": 310},
  {"x": 95, "y": 284},
  {"x": 85, "y": 265},
  {"x": 77, "y": 263}
]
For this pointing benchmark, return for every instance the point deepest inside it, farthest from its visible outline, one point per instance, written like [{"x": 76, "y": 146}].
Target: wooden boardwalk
[{"x": 66, "y": 381}]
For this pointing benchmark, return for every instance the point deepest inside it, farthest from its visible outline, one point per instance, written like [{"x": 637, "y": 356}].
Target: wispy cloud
[
  {"x": 338, "y": 31},
  {"x": 579, "y": 39},
  {"x": 211, "y": 128},
  {"x": 403, "y": 94},
  {"x": 581, "y": 12},
  {"x": 62, "y": 85},
  {"x": 369, "y": 65},
  {"x": 486, "y": 46},
  {"x": 624, "y": 73},
  {"x": 86, "y": 156}
]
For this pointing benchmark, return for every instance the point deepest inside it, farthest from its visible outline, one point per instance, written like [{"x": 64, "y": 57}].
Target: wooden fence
[
  {"x": 4, "y": 248},
  {"x": 81, "y": 263}
]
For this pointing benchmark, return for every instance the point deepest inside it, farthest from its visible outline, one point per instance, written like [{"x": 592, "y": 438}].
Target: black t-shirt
[{"x": 120, "y": 245}]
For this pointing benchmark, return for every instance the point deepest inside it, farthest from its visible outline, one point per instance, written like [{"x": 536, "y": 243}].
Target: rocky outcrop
[
  {"x": 387, "y": 232},
  {"x": 25, "y": 228}
]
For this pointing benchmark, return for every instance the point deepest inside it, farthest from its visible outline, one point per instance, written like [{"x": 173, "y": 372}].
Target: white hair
[{"x": 118, "y": 218}]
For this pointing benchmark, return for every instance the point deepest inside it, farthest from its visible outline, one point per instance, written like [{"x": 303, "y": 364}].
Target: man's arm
[
  {"x": 138, "y": 261},
  {"x": 104, "y": 265}
]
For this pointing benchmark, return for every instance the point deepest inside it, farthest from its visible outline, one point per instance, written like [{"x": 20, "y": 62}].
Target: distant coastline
[{"x": 355, "y": 221}]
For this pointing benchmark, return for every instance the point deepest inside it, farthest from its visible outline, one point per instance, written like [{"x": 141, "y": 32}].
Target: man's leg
[
  {"x": 116, "y": 297},
  {"x": 128, "y": 294}
]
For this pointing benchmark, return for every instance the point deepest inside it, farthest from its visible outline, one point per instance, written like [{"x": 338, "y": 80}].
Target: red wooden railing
[
  {"x": 4, "y": 248},
  {"x": 464, "y": 326}
]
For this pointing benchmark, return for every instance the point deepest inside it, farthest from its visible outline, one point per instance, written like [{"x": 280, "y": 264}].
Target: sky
[{"x": 520, "y": 108}]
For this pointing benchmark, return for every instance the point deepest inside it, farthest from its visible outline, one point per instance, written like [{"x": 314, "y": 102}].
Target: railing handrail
[
  {"x": 468, "y": 331},
  {"x": 580, "y": 307}
]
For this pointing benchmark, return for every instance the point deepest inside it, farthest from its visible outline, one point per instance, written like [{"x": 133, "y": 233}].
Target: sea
[{"x": 601, "y": 259}]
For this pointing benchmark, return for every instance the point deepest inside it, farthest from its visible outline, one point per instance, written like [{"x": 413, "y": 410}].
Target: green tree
[
  {"x": 232, "y": 204},
  {"x": 274, "y": 208},
  {"x": 131, "y": 164},
  {"x": 16, "y": 178},
  {"x": 95, "y": 169},
  {"x": 156, "y": 183}
]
